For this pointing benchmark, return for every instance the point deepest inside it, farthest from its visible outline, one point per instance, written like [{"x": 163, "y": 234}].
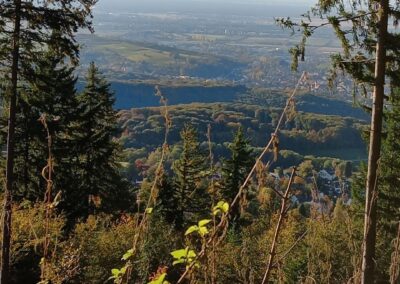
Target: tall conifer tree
[
  {"x": 236, "y": 168},
  {"x": 389, "y": 193},
  {"x": 101, "y": 186},
  {"x": 26, "y": 28},
  {"x": 51, "y": 92},
  {"x": 190, "y": 195}
]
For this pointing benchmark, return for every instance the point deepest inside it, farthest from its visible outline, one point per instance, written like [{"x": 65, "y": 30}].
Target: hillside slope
[{"x": 307, "y": 133}]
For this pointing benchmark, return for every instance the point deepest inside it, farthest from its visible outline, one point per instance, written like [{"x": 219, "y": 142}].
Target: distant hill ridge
[{"x": 141, "y": 94}]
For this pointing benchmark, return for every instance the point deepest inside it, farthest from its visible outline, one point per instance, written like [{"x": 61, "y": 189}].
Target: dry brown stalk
[
  {"x": 213, "y": 194},
  {"x": 142, "y": 224},
  {"x": 395, "y": 264},
  {"x": 291, "y": 248},
  {"x": 47, "y": 175},
  {"x": 222, "y": 225},
  {"x": 282, "y": 216}
]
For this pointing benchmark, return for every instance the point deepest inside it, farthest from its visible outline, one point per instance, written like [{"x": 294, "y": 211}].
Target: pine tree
[
  {"x": 370, "y": 54},
  {"x": 100, "y": 185},
  {"x": 51, "y": 92},
  {"x": 167, "y": 200},
  {"x": 236, "y": 168},
  {"x": 190, "y": 197},
  {"x": 26, "y": 29},
  {"x": 389, "y": 191}
]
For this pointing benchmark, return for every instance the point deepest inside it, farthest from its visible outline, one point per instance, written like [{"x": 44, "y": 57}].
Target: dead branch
[
  {"x": 291, "y": 248},
  {"x": 282, "y": 217},
  {"x": 224, "y": 219},
  {"x": 395, "y": 264}
]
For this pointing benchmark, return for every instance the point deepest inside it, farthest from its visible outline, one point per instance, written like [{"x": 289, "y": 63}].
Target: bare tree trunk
[
  {"x": 6, "y": 238},
  {"x": 374, "y": 148}
]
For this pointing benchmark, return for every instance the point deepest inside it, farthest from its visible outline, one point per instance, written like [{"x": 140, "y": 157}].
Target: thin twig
[
  {"x": 271, "y": 141},
  {"x": 224, "y": 219},
  {"x": 152, "y": 198},
  {"x": 282, "y": 217},
  {"x": 395, "y": 263},
  {"x": 47, "y": 175},
  {"x": 291, "y": 248},
  {"x": 213, "y": 193}
]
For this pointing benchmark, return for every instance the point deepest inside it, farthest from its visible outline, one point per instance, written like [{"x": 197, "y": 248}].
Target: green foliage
[
  {"x": 43, "y": 25},
  {"x": 333, "y": 246},
  {"x": 183, "y": 256},
  {"x": 117, "y": 274},
  {"x": 28, "y": 236},
  {"x": 311, "y": 134},
  {"x": 201, "y": 228},
  {"x": 52, "y": 93},
  {"x": 155, "y": 251},
  {"x": 100, "y": 183},
  {"x": 305, "y": 169},
  {"x": 160, "y": 279},
  {"x": 127, "y": 255},
  {"x": 222, "y": 207},
  {"x": 389, "y": 193},
  {"x": 101, "y": 244},
  {"x": 358, "y": 39},
  {"x": 243, "y": 258},
  {"x": 95, "y": 247},
  {"x": 236, "y": 168},
  {"x": 190, "y": 198}
]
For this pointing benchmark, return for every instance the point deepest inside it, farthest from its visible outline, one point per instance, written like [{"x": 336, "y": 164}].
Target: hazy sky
[
  {"x": 242, "y": 2},
  {"x": 245, "y": 7}
]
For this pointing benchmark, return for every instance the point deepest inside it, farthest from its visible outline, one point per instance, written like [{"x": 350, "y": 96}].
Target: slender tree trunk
[
  {"x": 6, "y": 238},
  {"x": 374, "y": 148}
]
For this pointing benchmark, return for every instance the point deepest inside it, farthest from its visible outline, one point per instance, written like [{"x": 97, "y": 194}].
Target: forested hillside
[
  {"x": 138, "y": 94},
  {"x": 184, "y": 165},
  {"x": 306, "y": 133}
]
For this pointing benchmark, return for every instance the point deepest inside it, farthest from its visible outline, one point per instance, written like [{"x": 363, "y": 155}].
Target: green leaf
[
  {"x": 127, "y": 255},
  {"x": 191, "y": 254},
  {"x": 159, "y": 280},
  {"x": 202, "y": 223},
  {"x": 180, "y": 253},
  {"x": 149, "y": 210},
  {"x": 191, "y": 229},
  {"x": 178, "y": 261},
  {"x": 203, "y": 231},
  {"x": 216, "y": 211},
  {"x": 115, "y": 272},
  {"x": 225, "y": 207},
  {"x": 183, "y": 255},
  {"x": 123, "y": 270},
  {"x": 221, "y": 206}
]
